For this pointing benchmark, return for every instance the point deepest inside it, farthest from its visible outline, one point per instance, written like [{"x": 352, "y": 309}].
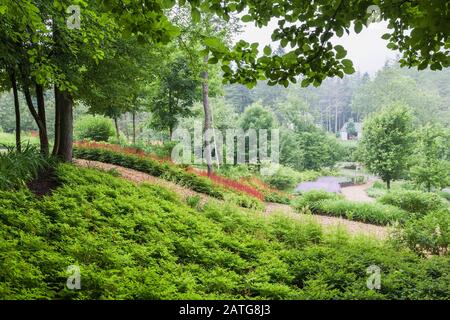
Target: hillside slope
[{"x": 142, "y": 242}]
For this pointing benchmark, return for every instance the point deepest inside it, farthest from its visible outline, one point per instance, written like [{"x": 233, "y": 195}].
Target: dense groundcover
[{"x": 143, "y": 243}]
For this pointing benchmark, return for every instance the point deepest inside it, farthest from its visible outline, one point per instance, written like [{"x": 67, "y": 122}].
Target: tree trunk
[
  {"x": 388, "y": 184},
  {"x": 335, "y": 118},
  {"x": 207, "y": 110},
  {"x": 12, "y": 77},
  {"x": 57, "y": 122},
  {"x": 64, "y": 103},
  {"x": 134, "y": 126},
  {"x": 40, "y": 123},
  {"x": 116, "y": 124},
  {"x": 43, "y": 136}
]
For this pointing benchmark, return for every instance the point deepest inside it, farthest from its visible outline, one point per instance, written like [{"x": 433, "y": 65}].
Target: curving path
[
  {"x": 353, "y": 227},
  {"x": 358, "y": 193}
]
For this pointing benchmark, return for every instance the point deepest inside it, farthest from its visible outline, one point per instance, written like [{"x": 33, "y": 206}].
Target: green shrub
[
  {"x": 236, "y": 171},
  {"x": 311, "y": 198},
  {"x": 277, "y": 197},
  {"x": 327, "y": 203},
  {"x": 284, "y": 178},
  {"x": 429, "y": 234},
  {"x": 16, "y": 168},
  {"x": 360, "y": 211},
  {"x": 152, "y": 167},
  {"x": 142, "y": 242},
  {"x": 161, "y": 150},
  {"x": 121, "y": 141},
  {"x": 445, "y": 195},
  {"x": 193, "y": 201},
  {"x": 413, "y": 201},
  {"x": 379, "y": 185},
  {"x": 244, "y": 201},
  {"x": 95, "y": 128}
]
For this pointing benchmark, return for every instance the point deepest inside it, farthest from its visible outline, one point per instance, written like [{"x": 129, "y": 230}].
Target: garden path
[
  {"x": 358, "y": 193},
  {"x": 353, "y": 227}
]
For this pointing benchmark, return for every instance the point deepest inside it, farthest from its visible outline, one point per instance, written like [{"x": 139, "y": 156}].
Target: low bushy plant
[
  {"x": 311, "y": 198},
  {"x": 143, "y": 242},
  {"x": 413, "y": 201},
  {"x": 193, "y": 201},
  {"x": 359, "y": 211},
  {"x": 327, "y": 203},
  {"x": 244, "y": 201},
  {"x": 428, "y": 235},
  {"x": 16, "y": 168},
  {"x": 445, "y": 195},
  {"x": 152, "y": 167},
  {"x": 284, "y": 178},
  {"x": 96, "y": 128}
]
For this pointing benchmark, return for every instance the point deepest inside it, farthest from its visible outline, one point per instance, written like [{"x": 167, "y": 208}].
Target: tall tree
[
  {"x": 431, "y": 158},
  {"x": 387, "y": 142}
]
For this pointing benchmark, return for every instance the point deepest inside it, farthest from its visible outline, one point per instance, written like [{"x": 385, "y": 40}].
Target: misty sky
[{"x": 367, "y": 50}]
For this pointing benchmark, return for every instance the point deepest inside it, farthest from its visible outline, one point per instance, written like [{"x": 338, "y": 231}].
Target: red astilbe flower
[{"x": 230, "y": 183}]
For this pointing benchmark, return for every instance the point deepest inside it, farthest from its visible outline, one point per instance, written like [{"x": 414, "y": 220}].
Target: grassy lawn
[{"x": 9, "y": 139}]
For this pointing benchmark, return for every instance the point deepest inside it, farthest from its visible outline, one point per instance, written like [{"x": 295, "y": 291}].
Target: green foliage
[
  {"x": 277, "y": 197},
  {"x": 310, "y": 149},
  {"x": 428, "y": 235},
  {"x": 236, "y": 172},
  {"x": 244, "y": 201},
  {"x": 141, "y": 242},
  {"x": 386, "y": 142},
  {"x": 16, "y": 168},
  {"x": 416, "y": 89},
  {"x": 193, "y": 201},
  {"x": 311, "y": 198},
  {"x": 431, "y": 158},
  {"x": 284, "y": 178},
  {"x": 94, "y": 128},
  {"x": 328, "y": 203},
  {"x": 413, "y": 201},
  {"x": 445, "y": 195},
  {"x": 161, "y": 150},
  {"x": 347, "y": 151},
  {"x": 177, "y": 90},
  {"x": 351, "y": 129},
  {"x": 359, "y": 211},
  {"x": 256, "y": 117},
  {"x": 375, "y": 192},
  {"x": 9, "y": 139},
  {"x": 152, "y": 167}
]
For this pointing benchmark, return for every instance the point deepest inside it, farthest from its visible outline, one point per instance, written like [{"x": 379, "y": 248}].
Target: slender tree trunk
[
  {"x": 12, "y": 77},
  {"x": 57, "y": 122},
  {"x": 388, "y": 184},
  {"x": 134, "y": 126},
  {"x": 126, "y": 122},
  {"x": 40, "y": 122},
  {"x": 43, "y": 136},
  {"x": 116, "y": 124},
  {"x": 64, "y": 103},
  {"x": 207, "y": 110},
  {"x": 335, "y": 118}
]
